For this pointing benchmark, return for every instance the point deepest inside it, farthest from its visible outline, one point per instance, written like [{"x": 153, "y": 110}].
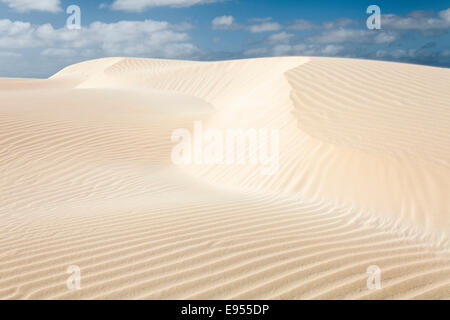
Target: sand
[{"x": 363, "y": 180}]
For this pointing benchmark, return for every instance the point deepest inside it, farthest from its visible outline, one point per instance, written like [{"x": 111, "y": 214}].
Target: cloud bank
[
  {"x": 33, "y": 5},
  {"x": 141, "y": 5}
]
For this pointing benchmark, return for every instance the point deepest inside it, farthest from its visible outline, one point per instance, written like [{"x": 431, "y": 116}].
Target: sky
[{"x": 39, "y": 37}]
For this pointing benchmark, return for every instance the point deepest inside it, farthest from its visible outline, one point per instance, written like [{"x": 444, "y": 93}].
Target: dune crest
[{"x": 363, "y": 179}]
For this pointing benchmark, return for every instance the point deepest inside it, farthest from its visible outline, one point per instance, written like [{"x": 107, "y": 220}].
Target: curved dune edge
[{"x": 90, "y": 181}]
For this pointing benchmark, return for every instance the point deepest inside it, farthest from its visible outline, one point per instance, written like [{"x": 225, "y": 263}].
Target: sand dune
[{"x": 363, "y": 179}]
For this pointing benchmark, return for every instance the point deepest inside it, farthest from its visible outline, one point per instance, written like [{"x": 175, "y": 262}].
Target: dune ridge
[{"x": 363, "y": 180}]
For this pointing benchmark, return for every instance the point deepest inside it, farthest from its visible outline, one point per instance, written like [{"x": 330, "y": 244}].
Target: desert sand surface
[{"x": 363, "y": 180}]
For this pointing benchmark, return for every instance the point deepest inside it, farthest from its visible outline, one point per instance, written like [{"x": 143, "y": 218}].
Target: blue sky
[{"x": 35, "y": 41}]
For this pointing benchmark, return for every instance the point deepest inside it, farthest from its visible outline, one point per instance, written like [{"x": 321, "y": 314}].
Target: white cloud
[
  {"x": 445, "y": 15},
  {"x": 259, "y": 20},
  {"x": 301, "y": 24},
  {"x": 339, "y": 23},
  {"x": 331, "y": 50},
  {"x": 265, "y": 27},
  {"x": 398, "y": 53},
  {"x": 141, "y": 5},
  {"x": 342, "y": 35},
  {"x": 296, "y": 50},
  {"x": 33, "y": 5},
  {"x": 280, "y": 37},
  {"x": 223, "y": 22},
  {"x": 353, "y": 36},
  {"x": 261, "y": 24},
  {"x": 256, "y": 52},
  {"x": 8, "y": 54},
  {"x": 282, "y": 50},
  {"x": 308, "y": 50},
  {"x": 130, "y": 38},
  {"x": 58, "y": 52},
  {"x": 17, "y": 35},
  {"x": 416, "y": 21},
  {"x": 385, "y": 37}
]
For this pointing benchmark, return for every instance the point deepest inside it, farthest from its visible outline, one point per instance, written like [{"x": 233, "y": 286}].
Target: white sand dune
[{"x": 364, "y": 179}]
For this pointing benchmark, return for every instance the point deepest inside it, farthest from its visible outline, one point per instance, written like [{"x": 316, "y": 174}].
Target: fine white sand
[{"x": 364, "y": 179}]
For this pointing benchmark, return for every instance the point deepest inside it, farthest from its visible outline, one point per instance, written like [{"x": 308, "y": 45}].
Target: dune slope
[{"x": 363, "y": 179}]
